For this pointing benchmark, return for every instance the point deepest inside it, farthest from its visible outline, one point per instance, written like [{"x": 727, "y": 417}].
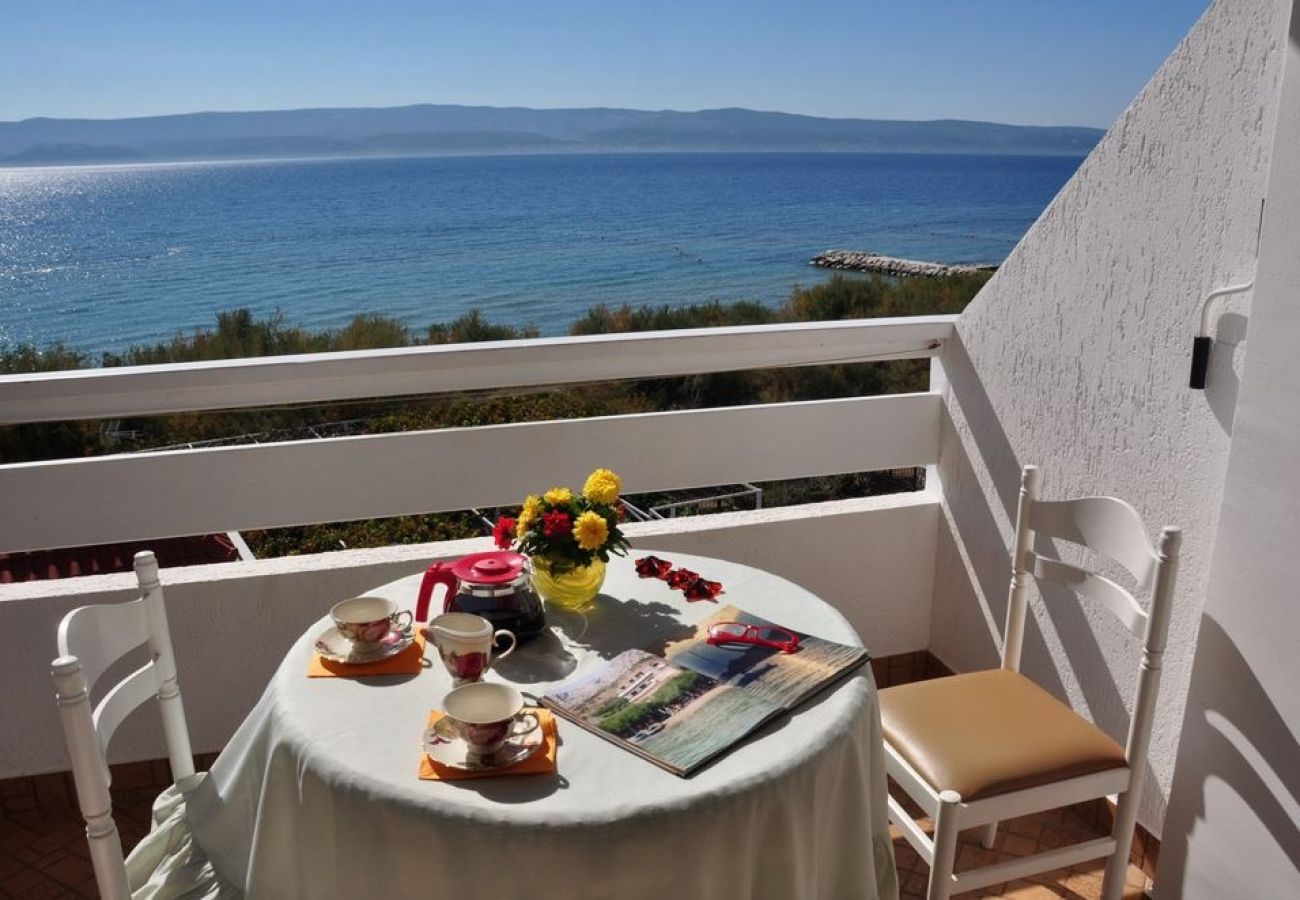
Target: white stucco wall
[
  {"x": 1075, "y": 357},
  {"x": 231, "y": 624},
  {"x": 1233, "y": 828}
]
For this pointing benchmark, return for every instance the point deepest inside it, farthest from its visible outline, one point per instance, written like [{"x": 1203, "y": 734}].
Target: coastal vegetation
[
  {"x": 624, "y": 718},
  {"x": 239, "y": 333}
]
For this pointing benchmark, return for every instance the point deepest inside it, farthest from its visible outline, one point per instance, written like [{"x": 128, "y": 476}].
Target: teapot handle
[{"x": 438, "y": 573}]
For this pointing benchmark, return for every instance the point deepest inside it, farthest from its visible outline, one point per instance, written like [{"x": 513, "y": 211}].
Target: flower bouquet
[{"x": 568, "y": 538}]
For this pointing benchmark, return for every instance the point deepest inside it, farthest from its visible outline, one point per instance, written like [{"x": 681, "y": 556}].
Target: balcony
[
  {"x": 1075, "y": 356},
  {"x": 872, "y": 557}
]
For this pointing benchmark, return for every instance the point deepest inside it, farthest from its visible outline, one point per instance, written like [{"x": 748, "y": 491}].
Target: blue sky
[{"x": 1075, "y": 62}]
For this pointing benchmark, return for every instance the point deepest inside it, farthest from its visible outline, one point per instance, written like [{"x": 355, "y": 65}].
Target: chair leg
[
  {"x": 1112, "y": 887},
  {"x": 989, "y": 835},
  {"x": 106, "y": 857},
  {"x": 945, "y": 846}
]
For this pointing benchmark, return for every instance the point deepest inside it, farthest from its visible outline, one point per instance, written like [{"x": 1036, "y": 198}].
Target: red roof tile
[{"x": 40, "y": 565}]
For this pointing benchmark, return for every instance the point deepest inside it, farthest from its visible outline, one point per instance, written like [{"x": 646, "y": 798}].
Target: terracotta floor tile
[
  {"x": 58, "y": 838},
  {"x": 32, "y": 885},
  {"x": 14, "y": 836},
  {"x": 904, "y": 856},
  {"x": 15, "y": 787},
  {"x": 973, "y": 856},
  {"x": 39, "y": 822},
  {"x": 18, "y": 803},
  {"x": 70, "y": 870},
  {"x": 1018, "y": 845},
  {"x": 1028, "y": 890},
  {"x": 1028, "y": 826},
  {"x": 1053, "y": 837},
  {"x": 133, "y": 775},
  {"x": 51, "y": 791}
]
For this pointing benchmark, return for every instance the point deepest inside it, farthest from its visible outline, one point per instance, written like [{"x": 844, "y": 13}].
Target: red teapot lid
[{"x": 492, "y": 567}]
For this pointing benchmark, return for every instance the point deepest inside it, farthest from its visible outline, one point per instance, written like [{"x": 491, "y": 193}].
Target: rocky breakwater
[{"x": 864, "y": 261}]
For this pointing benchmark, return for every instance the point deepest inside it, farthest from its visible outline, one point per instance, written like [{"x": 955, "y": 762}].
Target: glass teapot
[{"x": 494, "y": 585}]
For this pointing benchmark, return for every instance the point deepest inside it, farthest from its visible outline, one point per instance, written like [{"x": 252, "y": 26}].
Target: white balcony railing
[
  {"x": 231, "y": 623},
  {"x": 143, "y": 496}
]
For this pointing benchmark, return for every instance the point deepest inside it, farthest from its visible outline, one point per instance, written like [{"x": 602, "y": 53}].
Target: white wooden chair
[
  {"x": 976, "y": 748},
  {"x": 91, "y": 639}
]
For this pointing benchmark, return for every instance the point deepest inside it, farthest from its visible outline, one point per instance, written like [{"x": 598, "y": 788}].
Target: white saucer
[
  {"x": 445, "y": 748},
  {"x": 332, "y": 645}
]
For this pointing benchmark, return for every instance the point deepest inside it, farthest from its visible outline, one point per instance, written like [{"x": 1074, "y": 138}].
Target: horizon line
[{"x": 294, "y": 109}]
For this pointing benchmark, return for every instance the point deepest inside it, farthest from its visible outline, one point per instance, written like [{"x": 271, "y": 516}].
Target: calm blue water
[{"x": 101, "y": 258}]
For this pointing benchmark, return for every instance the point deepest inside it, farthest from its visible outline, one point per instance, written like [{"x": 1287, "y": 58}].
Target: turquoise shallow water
[{"x": 104, "y": 257}]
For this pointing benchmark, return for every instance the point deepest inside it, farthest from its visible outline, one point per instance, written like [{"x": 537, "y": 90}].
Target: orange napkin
[
  {"x": 409, "y": 662},
  {"x": 540, "y": 763}
]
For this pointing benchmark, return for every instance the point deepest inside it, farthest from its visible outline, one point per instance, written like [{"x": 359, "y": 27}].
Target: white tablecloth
[{"x": 317, "y": 796}]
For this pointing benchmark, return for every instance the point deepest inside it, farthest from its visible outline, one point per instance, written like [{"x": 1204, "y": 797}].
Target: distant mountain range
[{"x": 428, "y": 129}]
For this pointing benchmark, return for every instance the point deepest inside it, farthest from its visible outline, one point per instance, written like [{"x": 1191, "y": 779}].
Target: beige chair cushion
[{"x": 987, "y": 733}]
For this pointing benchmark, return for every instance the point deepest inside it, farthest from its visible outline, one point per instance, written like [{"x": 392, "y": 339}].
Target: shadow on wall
[
  {"x": 974, "y": 544},
  {"x": 1224, "y": 689},
  {"x": 972, "y": 556},
  {"x": 995, "y": 450},
  {"x": 1222, "y": 382}
]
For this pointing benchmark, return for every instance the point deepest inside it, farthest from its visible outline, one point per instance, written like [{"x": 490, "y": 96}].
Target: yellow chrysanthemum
[
  {"x": 528, "y": 515},
  {"x": 603, "y": 486},
  {"x": 590, "y": 531},
  {"x": 559, "y": 496}
]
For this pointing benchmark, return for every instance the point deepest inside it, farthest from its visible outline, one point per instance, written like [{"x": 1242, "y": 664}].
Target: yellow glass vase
[{"x": 574, "y": 589}]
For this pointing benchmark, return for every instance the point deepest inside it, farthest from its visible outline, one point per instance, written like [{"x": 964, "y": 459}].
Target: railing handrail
[
  {"x": 124, "y": 392},
  {"x": 108, "y": 499}
]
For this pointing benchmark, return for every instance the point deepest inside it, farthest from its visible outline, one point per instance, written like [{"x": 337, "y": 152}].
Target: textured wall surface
[
  {"x": 1234, "y": 813},
  {"x": 231, "y": 624},
  {"x": 1075, "y": 357}
]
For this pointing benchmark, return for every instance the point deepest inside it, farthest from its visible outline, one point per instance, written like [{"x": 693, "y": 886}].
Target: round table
[{"x": 317, "y": 794}]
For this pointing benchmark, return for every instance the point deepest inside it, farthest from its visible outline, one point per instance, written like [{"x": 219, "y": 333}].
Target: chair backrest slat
[
  {"x": 133, "y": 690},
  {"x": 101, "y": 635},
  {"x": 1096, "y": 587},
  {"x": 1107, "y": 525},
  {"x": 1113, "y": 528},
  {"x": 91, "y": 639}
]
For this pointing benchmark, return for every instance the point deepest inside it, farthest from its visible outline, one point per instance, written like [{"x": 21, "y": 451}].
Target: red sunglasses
[{"x": 774, "y": 636}]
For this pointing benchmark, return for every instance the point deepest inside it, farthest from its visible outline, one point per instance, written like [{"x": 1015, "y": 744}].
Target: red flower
[
  {"x": 556, "y": 524},
  {"x": 504, "y": 532}
]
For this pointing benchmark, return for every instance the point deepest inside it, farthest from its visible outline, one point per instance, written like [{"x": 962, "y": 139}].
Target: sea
[{"x": 100, "y": 258}]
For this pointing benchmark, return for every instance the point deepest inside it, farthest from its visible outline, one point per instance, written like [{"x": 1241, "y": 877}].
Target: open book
[{"x": 683, "y": 709}]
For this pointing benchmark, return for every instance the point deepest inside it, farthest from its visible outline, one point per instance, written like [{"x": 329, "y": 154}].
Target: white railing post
[
  {"x": 938, "y": 387},
  {"x": 90, "y": 772}
]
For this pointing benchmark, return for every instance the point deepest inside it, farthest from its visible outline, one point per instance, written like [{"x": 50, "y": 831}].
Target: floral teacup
[
  {"x": 366, "y": 621},
  {"x": 486, "y": 715}
]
